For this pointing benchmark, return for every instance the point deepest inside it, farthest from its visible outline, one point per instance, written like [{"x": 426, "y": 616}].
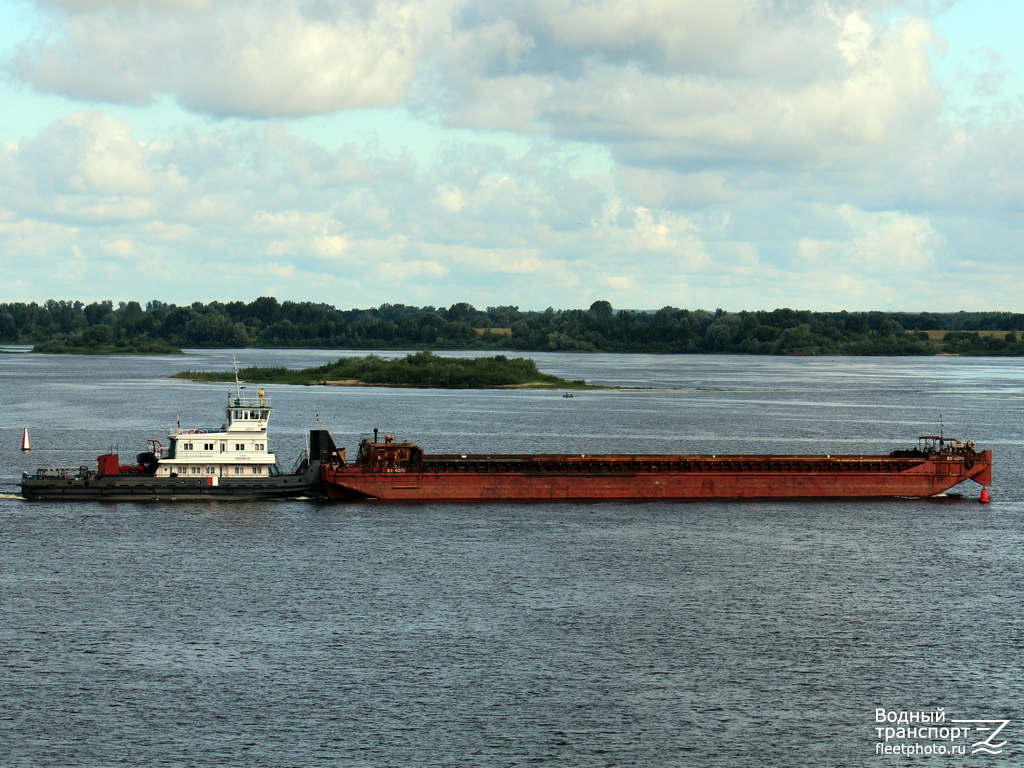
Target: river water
[{"x": 300, "y": 633}]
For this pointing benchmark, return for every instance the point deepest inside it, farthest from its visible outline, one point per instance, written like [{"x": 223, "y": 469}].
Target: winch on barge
[
  {"x": 400, "y": 471},
  {"x": 232, "y": 462}
]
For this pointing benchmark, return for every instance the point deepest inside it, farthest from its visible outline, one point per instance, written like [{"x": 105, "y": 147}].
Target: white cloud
[
  {"x": 101, "y": 209},
  {"x": 508, "y": 231},
  {"x": 754, "y": 152},
  {"x": 86, "y": 152},
  {"x": 405, "y": 270},
  {"x": 253, "y": 58},
  {"x": 121, "y": 248},
  {"x": 707, "y": 91},
  {"x": 887, "y": 242},
  {"x": 512, "y": 261},
  {"x": 281, "y": 271},
  {"x": 619, "y": 283},
  {"x": 329, "y": 247},
  {"x": 873, "y": 259},
  {"x": 670, "y": 79},
  {"x": 450, "y": 199},
  {"x": 664, "y": 188}
]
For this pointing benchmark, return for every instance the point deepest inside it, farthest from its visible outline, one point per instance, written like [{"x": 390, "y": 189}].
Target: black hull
[{"x": 142, "y": 488}]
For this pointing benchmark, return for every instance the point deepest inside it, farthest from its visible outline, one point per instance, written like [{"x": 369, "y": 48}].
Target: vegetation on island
[
  {"x": 422, "y": 369},
  {"x": 266, "y": 322}
]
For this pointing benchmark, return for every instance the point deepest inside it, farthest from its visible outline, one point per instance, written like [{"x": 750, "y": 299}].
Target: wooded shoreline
[{"x": 160, "y": 328}]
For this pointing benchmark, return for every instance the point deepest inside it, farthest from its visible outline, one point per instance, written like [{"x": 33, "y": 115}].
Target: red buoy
[{"x": 984, "y": 499}]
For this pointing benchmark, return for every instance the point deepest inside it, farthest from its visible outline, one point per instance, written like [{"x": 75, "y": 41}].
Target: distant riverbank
[
  {"x": 267, "y": 323},
  {"x": 138, "y": 346}
]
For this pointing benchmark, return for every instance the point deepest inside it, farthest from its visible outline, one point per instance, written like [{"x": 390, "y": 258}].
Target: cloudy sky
[{"x": 743, "y": 154}]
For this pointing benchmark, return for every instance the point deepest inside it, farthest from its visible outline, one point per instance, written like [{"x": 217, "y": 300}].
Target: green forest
[
  {"x": 420, "y": 369},
  {"x": 267, "y": 322}
]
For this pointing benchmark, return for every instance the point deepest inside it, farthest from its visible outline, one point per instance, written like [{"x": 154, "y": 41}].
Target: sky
[{"x": 741, "y": 154}]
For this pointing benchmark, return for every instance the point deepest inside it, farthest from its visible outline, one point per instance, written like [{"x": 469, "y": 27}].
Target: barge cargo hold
[{"x": 400, "y": 471}]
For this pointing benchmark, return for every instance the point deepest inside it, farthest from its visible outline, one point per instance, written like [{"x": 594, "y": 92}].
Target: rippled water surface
[{"x": 712, "y": 634}]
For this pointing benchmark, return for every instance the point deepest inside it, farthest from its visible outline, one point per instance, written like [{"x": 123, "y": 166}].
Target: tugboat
[{"x": 232, "y": 462}]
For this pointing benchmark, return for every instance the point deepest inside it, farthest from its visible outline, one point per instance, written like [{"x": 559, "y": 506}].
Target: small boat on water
[
  {"x": 233, "y": 461},
  {"x": 400, "y": 471}
]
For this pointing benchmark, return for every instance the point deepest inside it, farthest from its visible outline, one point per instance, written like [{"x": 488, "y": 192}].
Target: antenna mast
[{"x": 238, "y": 384}]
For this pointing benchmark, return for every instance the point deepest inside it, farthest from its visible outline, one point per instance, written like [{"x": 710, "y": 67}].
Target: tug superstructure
[{"x": 233, "y": 461}]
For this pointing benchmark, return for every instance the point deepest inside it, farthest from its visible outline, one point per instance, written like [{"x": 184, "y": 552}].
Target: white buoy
[{"x": 26, "y": 443}]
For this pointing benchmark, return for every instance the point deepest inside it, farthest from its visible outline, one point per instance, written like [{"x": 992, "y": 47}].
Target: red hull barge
[{"x": 394, "y": 471}]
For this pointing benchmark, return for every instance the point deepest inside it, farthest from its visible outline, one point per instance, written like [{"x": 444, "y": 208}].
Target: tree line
[{"x": 266, "y": 322}]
